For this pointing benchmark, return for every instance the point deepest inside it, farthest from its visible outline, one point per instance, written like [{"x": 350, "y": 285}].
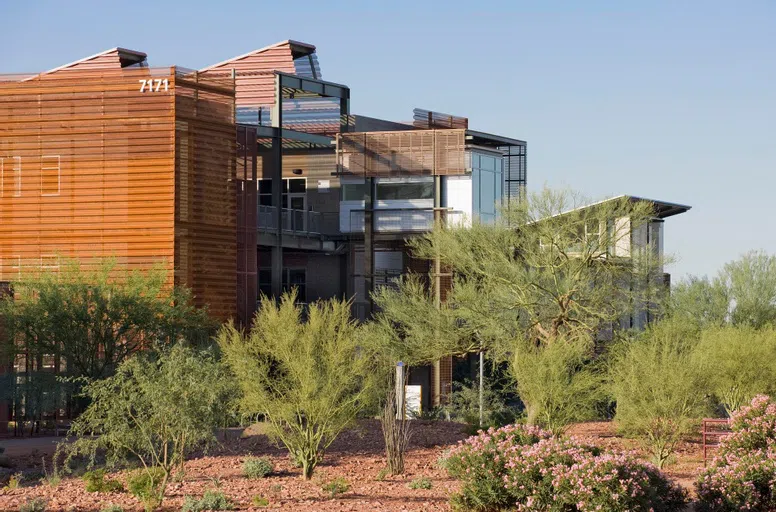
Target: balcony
[
  {"x": 399, "y": 220},
  {"x": 298, "y": 222}
]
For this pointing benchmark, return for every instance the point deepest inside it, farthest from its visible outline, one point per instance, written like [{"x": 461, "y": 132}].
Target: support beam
[
  {"x": 277, "y": 190},
  {"x": 369, "y": 244}
]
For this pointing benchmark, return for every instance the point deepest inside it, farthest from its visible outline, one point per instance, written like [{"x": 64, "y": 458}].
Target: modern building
[{"x": 247, "y": 177}]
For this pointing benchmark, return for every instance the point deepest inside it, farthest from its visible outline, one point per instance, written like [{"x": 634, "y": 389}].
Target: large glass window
[
  {"x": 354, "y": 191},
  {"x": 405, "y": 191}
]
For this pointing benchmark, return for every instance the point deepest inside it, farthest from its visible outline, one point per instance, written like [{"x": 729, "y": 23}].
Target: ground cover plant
[
  {"x": 742, "y": 475},
  {"x": 532, "y": 470}
]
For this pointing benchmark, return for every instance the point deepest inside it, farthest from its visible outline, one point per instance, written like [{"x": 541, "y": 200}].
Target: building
[{"x": 249, "y": 176}]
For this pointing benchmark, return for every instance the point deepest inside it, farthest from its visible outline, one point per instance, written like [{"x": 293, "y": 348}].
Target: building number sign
[{"x": 154, "y": 85}]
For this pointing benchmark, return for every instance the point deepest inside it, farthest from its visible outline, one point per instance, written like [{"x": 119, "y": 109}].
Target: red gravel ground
[{"x": 357, "y": 456}]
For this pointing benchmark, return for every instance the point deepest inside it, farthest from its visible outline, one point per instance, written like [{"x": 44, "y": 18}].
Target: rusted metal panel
[
  {"x": 400, "y": 153},
  {"x": 96, "y": 163},
  {"x": 205, "y": 201}
]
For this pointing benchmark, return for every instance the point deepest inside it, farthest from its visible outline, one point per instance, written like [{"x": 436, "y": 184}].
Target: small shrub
[
  {"x": 145, "y": 485},
  {"x": 96, "y": 482},
  {"x": 52, "y": 479},
  {"x": 742, "y": 475},
  {"x": 337, "y": 486},
  {"x": 211, "y": 500},
  {"x": 34, "y": 505},
  {"x": 528, "y": 469},
  {"x": 112, "y": 508},
  {"x": 382, "y": 474},
  {"x": 14, "y": 482},
  {"x": 420, "y": 483},
  {"x": 259, "y": 501},
  {"x": 257, "y": 467}
]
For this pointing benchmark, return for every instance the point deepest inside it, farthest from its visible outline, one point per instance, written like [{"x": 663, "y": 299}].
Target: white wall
[{"x": 458, "y": 192}]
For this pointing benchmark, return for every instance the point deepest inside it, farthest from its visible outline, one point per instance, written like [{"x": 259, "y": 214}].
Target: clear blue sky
[{"x": 663, "y": 99}]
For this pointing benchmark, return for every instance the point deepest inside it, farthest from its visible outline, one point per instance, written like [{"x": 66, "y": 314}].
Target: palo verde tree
[
  {"x": 88, "y": 320},
  {"x": 549, "y": 271},
  {"x": 307, "y": 373},
  {"x": 743, "y": 293}
]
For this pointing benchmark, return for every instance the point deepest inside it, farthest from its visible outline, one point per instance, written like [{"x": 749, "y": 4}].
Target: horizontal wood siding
[
  {"x": 205, "y": 198},
  {"x": 86, "y": 170}
]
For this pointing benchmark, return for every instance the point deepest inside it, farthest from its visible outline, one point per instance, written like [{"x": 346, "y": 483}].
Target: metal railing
[
  {"x": 712, "y": 431},
  {"x": 300, "y": 222},
  {"x": 402, "y": 220}
]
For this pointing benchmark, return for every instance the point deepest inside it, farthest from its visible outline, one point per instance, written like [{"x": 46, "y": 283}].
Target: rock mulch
[{"x": 357, "y": 456}]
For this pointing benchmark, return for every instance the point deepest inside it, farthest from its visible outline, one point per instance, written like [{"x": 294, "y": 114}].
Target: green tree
[
  {"x": 743, "y": 293},
  {"x": 157, "y": 409},
  {"x": 86, "y": 321},
  {"x": 701, "y": 301},
  {"x": 659, "y": 389},
  {"x": 309, "y": 378},
  {"x": 752, "y": 284},
  {"x": 551, "y": 271},
  {"x": 740, "y": 363}
]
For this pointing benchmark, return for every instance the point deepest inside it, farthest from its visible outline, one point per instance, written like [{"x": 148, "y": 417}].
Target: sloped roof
[{"x": 298, "y": 49}]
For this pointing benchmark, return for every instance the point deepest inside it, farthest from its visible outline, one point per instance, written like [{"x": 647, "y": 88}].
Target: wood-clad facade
[{"x": 98, "y": 162}]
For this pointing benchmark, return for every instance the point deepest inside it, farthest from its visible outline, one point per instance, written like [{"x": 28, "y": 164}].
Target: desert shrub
[
  {"x": 480, "y": 463},
  {"x": 743, "y": 473},
  {"x": 146, "y": 486},
  {"x": 156, "y": 409},
  {"x": 259, "y": 501},
  {"x": 337, "y": 486},
  {"x": 740, "y": 362},
  {"x": 95, "y": 482},
  {"x": 420, "y": 483},
  {"x": 307, "y": 374},
  {"x": 527, "y": 468},
  {"x": 556, "y": 381},
  {"x": 257, "y": 467},
  {"x": 14, "y": 482},
  {"x": 112, "y": 508},
  {"x": 34, "y": 505},
  {"x": 464, "y": 406},
  {"x": 659, "y": 390},
  {"x": 211, "y": 500}
]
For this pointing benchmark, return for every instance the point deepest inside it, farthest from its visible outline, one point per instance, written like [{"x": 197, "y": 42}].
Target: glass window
[
  {"x": 265, "y": 186},
  {"x": 404, "y": 191},
  {"x": 297, "y": 185},
  {"x": 354, "y": 191}
]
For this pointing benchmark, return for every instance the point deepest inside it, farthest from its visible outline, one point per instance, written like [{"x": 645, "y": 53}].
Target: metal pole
[
  {"x": 482, "y": 387},
  {"x": 400, "y": 407}
]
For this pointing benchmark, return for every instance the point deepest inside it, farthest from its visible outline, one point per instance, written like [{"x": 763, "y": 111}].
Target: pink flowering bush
[
  {"x": 525, "y": 468},
  {"x": 743, "y": 474}
]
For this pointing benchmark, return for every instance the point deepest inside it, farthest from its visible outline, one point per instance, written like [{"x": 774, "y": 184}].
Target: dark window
[
  {"x": 404, "y": 191},
  {"x": 354, "y": 191}
]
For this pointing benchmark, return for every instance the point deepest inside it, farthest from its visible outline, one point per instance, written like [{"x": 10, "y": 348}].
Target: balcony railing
[
  {"x": 301, "y": 222},
  {"x": 401, "y": 220}
]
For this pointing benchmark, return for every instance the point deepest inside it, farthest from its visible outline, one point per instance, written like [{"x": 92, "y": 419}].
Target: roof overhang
[{"x": 488, "y": 139}]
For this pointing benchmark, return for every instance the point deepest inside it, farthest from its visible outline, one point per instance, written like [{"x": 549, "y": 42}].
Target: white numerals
[{"x": 154, "y": 85}]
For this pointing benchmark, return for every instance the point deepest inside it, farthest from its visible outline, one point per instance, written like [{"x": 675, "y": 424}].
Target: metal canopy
[
  {"x": 298, "y": 87},
  {"x": 289, "y": 137},
  {"x": 488, "y": 139}
]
